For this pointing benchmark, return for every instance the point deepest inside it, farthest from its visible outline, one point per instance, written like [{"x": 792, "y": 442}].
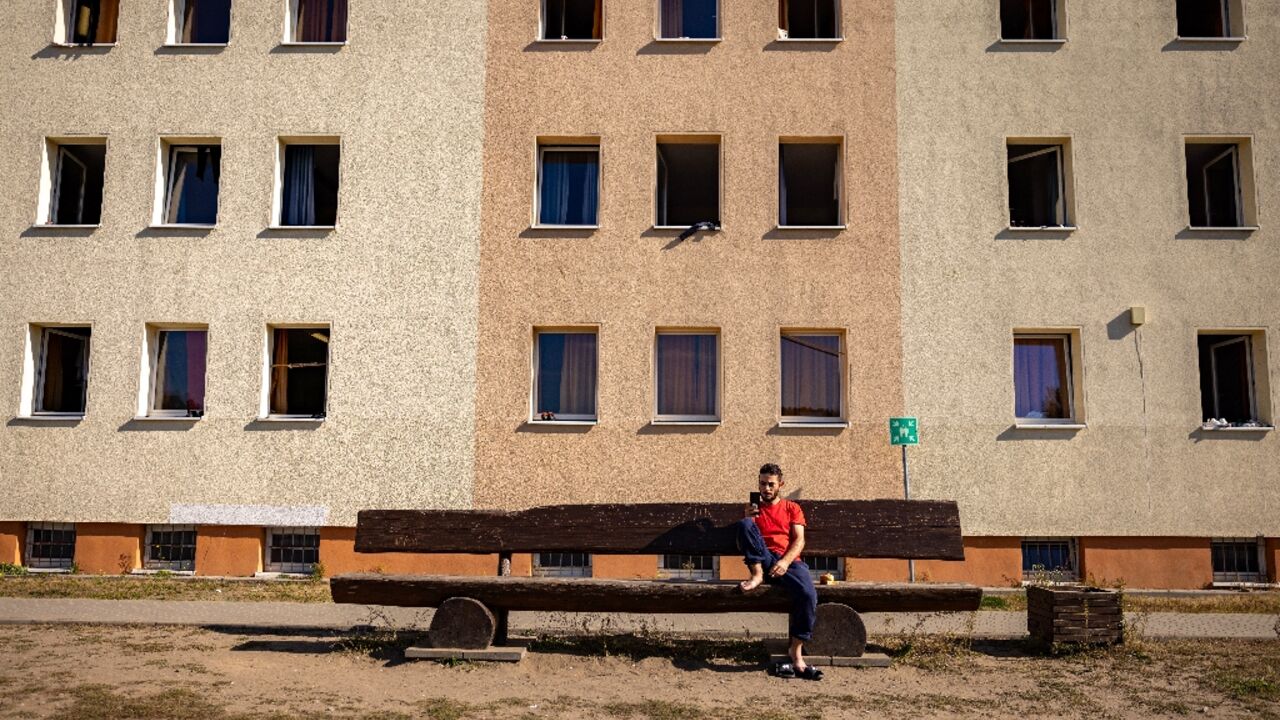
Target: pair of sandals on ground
[{"x": 788, "y": 671}]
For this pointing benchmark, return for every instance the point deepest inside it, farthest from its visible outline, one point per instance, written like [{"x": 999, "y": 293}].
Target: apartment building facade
[{"x": 274, "y": 269}]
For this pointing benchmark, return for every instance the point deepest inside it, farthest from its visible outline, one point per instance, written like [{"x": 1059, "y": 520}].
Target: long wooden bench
[{"x": 472, "y": 609}]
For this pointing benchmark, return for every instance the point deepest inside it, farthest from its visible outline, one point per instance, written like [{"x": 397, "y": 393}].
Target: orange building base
[
  {"x": 1155, "y": 563},
  {"x": 108, "y": 548},
  {"x": 12, "y": 537}
]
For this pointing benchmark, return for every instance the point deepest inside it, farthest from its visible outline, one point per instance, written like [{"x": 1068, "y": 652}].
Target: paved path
[{"x": 323, "y": 616}]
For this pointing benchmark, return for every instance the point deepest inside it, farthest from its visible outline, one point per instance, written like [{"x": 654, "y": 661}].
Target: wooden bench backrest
[{"x": 917, "y": 529}]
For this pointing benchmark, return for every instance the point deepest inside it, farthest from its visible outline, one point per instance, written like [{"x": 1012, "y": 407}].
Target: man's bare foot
[{"x": 755, "y": 582}]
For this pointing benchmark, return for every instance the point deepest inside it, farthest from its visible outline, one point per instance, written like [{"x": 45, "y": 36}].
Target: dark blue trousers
[{"x": 797, "y": 582}]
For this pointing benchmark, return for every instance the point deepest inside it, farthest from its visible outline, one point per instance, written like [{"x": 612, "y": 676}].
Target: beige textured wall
[
  {"x": 1126, "y": 95},
  {"x": 396, "y": 280},
  {"x": 748, "y": 280}
]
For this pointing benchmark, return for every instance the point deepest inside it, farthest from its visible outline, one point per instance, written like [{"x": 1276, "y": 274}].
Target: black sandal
[
  {"x": 783, "y": 670},
  {"x": 809, "y": 673}
]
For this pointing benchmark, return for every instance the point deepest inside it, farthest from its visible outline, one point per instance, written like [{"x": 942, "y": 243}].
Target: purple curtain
[
  {"x": 322, "y": 21},
  {"x": 672, "y": 18},
  {"x": 687, "y": 366},
  {"x": 578, "y": 378},
  {"x": 811, "y": 376},
  {"x": 1040, "y": 378}
]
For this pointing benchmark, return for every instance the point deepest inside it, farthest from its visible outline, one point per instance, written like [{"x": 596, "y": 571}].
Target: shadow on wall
[
  {"x": 1199, "y": 435},
  {"x": 70, "y": 52},
  {"x": 560, "y": 46},
  {"x": 552, "y": 427},
  {"x": 1217, "y": 45},
  {"x": 1046, "y": 46},
  {"x": 1120, "y": 326},
  {"x": 694, "y": 47},
  {"x": 1013, "y": 432}
]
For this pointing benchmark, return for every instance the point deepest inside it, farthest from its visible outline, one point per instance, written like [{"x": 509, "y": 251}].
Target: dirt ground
[{"x": 81, "y": 672}]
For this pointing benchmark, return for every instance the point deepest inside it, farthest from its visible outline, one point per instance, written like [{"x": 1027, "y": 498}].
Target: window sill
[
  {"x": 1049, "y": 426},
  {"x": 563, "y": 227},
  {"x": 305, "y": 228},
  {"x": 196, "y": 46},
  {"x": 51, "y": 418},
  {"x": 1233, "y": 39},
  {"x": 1256, "y": 429},
  {"x": 296, "y": 43},
  {"x": 166, "y": 418},
  {"x": 717, "y": 228},
  {"x": 157, "y": 571},
  {"x": 281, "y": 575},
  {"x": 1244, "y": 584},
  {"x": 289, "y": 419},
  {"x": 811, "y": 227},
  {"x": 814, "y": 425},
  {"x": 85, "y": 46},
  {"x": 58, "y": 226},
  {"x": 810, "y": 40},
  {"x": 570, "y": 41},
  {"x": 1032, "y": 41},
  {"x": 685, "y": 423},
  {"x": 688, "y": 40},
  {"x": 1222, "y": 228},
  {"x": 565, "y": 423},
  {"x": 180, "y": 226},
  {"x": 1041, "y": 228}
]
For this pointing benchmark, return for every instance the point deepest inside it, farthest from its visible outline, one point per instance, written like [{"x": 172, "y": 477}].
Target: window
[
  {"x": 561, "y": 564},
  {"x": 688, "y": 567},
  {"x": 191, "y": 174},
  {"x": 571, "y": 19},
  {"x": 316, "y": 21},
  {"x": 1229, "y": 366},
  {"x": 171, "y": 547},
  {"x": 568, "y": 185},
  {"x": 1031, "y": 19},
  {"x": 308, "y": 194},
  {"x": 809, "y": 184},
  {"x": 565, "y": 375},
  {"x": 75, "y": 171},
  {"x": 61, "y": 363},
  {"x": 1042, "y": 378},
  {"x": 689, "y": 19},
  {"x": 688, "y": 369},
  {"x": 1038, "y": 187},
  {"x": 1239, "y": 560},
  {"x": 88, "y": 22},
  {"x": 176, "y": 372},
  {"x": 688, "y": 181},
  {"x": 822, "y": 564},
  {"x": 812, "y": 372},
  {"x": 299, "y": 372},
  {"x": 200, "y": 22},
  {"x": 1052, "y": 559},
  {"x": 51, "y": 546},
  {"x": 1205, "y": 19},
  {"x": 292, "y": 550},
  {"x": 809, "y": 19},
  {"x": 1219, "y": 183}
]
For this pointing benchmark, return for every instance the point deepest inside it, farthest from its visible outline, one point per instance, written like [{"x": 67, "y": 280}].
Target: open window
[
  {"x": 190, "y": 173},
  {"x": 298, "y": 374},
  {"x": 561, "y": 564},
  {"x": 1219, "y": 183},
  {"x": 316, "y": 22},
  {"x": 72, "y": 178},
  {"x": 688, "y": 188},
  {"x": 87, "y": 22},
  {"x": 1045, "y": 379},
  {"x": 809, "y": 19},
  {"x": 1210, "y": 19},
  {"x": 292, "y": 550},
  {"x": 1239, "y": 560},
  {"x": 572, "y": 19},
  {"x": 1232, "y": 373},
  {"x": 687, "y": 365},
  {"x": 565, "y": 375},
  {"x": 1039, "y": 185},
  {"x": 568, "y": 185},
  {"x": 307, "y": 182},
  {"x": 170, "y": 547},
  {"x": 199, "y": 22},
  {"x": 58, "y": 371},
  {"x": 1034, "y": 20},
  {"x": 809, "y": 183},
  {"x": 812, "y": 366},
  {"x": 1050, "y": 560},
  {"x": 174, "y": 373},
  {"x": 689, "y": 19},
  {"x": 50, "y": 546},
  {"x": 688, "y": 567}
]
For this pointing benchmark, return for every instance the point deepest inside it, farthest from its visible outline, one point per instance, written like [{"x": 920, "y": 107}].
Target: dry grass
[
  {"x": 153, "y": 587},
  {"x": 1266, "y": 602}
]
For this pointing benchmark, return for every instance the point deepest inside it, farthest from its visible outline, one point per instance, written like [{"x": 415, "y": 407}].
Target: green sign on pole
[{"x": 903, "y": 431}]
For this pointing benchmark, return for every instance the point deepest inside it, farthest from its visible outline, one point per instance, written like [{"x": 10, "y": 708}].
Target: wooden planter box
[{"x": 1074, "y": 614}]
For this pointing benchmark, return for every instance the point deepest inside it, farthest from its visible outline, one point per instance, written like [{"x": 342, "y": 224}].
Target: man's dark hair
[{"x": 771, "y": 469}]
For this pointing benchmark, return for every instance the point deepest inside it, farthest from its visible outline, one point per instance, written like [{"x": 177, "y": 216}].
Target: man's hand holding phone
[{"x": 752, "y": 508}]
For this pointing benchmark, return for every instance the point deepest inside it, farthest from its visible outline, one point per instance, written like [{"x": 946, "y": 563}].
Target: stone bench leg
[
  {"x": 839, "y": 632},
  {"x": 464, "y": 623}
]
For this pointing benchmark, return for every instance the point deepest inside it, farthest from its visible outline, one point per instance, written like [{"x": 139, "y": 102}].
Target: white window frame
[
  {"x": 562, "y": 418},
  {"x": 289, "y": 568},
  {"x": 1249, "y": 372},
  {"x": 542, "y": 149},
  {"x": 1232, "y": 13},
  {"x": 63, "y": 156},
  {"x": 784, "y": 33},
  {"x": 177, "y": 9},
  {"x": 27, "y": 559},
  {"x": 165, "y": 169},
  {"x": 681, "y": 573},
  {"x": 38, "y": 340},
  {"x": 540, "y": 570},
  {"x": 146, "y": 407},
  {"x": 1058, "y": 27},
  {"x": 542, "y": 26},
  {"x": 806, "y": 420},
  {"x": 277, "y": 209},
  {"x": 1233, "y": 153},
  {"x": 673, "y": 419},
  {"x": 64, "y": 27},
  {"x": 841, "y": 210},
  {"x": 149, "y": 565},
  {"x": 291, "y": 29},
  {"x": 51, "y": 154},
  {"x": 687, "y": 139},
  {"x": 1060, "y": 211},
  {"x": 1073, "y": 418},
  {"x": 264, "y": 405},
  {"x": 657, "y": 27}
]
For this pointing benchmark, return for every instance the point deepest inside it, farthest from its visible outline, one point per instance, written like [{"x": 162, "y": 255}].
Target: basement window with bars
[
  {"x": 1210, "y": 19},
  {"x": 75, "y": 171},
  {"x": 171, "y": 547},
  {"x": 50, "y": 546},
  {"x": 1050, "y": 559},
  {"x": 317, "y": 22},
  {"x": 200, "y": 22},
  {"x": 299, "y": 372},
  {"x": 688, "y": 181},
  {"x": 292, "y": 550},
  {"x": 1216, "y": 184},
  {"x": 1239, "y": 560},
  {"x": 1036, "y": 20},
  {"x": 819, "y": 565},
  {"x": 89, "y": 22},
  {"x": 809, "y": 19},
  {"x": 688, "y": 567},
  {"x": 572, "y": 19},
  {"x": 809, "y": 184},
  {"x": 1038, "y": 186},
  {"x": 307, "y": 194},
  {"x": 561, "y": 564},
  {"x": 1227, "y": 376},
  {"x": 689, "y": 19}
]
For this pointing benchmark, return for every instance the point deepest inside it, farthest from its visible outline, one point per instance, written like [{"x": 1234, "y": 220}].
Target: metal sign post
[{"x": 904, "y": 431}]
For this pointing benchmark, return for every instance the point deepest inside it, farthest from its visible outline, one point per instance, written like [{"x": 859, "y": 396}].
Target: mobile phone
[{"x": 755, "y": 500}]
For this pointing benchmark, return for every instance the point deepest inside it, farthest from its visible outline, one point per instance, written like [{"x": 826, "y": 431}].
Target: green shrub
[{"x": 11, "y": 569}]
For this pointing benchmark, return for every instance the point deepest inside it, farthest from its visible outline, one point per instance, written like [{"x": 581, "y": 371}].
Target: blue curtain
[
  {"x": 570, "y": 187},
  {"x": 299, "y": 186}
]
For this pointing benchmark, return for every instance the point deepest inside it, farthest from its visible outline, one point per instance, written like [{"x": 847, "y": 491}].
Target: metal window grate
[
  {"x": 688, "y": 567},
  {"x": 1050, "y": 559},
  {"x": 820, "y": 564},
  {"x": 562, "y": 564},
  {"x": 292, "y": 550},
  {"x": 171, "y": 547},
  {"x": 1238, "y": 560},
  {"x": 51, "y": 546}
]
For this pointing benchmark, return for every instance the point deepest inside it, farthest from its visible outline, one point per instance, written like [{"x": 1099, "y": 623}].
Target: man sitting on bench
[{"x": 772, "y": 538}]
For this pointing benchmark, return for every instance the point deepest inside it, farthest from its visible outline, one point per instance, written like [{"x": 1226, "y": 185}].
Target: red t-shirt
[{"x": 775, "y": 523}]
